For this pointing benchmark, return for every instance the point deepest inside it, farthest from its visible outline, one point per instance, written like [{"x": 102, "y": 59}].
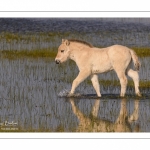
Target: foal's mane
[{"x": 82, "y": 42}]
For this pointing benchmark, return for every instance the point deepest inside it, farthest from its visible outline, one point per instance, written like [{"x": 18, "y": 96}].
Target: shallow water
[
  {"x": 29, "y": 97},
  {"x": 33, "y": 92}
]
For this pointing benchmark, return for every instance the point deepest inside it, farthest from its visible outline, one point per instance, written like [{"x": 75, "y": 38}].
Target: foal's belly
[
  {"x": 101, "y": 68},
  {"x": 100, "y": 62}
]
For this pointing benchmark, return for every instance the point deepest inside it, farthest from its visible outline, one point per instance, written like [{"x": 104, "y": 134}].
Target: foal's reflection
[{"x": 94, "y": 124}]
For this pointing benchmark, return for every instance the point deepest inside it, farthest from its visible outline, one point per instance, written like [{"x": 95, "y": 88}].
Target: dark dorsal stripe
[{"x": 82, "y": 42}]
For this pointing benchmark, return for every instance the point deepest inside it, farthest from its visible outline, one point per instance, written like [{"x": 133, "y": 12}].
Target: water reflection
[{"x": 94, "y": 124}]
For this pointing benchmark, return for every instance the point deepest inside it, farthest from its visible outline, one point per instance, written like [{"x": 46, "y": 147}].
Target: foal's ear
[
  {"x": 64, "y": 41},
  {"x": 67, "y": 42}
]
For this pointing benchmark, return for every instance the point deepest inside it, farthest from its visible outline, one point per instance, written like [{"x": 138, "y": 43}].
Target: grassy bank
[
  {"x": 15, "y": 45},
  {"x": 51, "y": 53},
  {"x": 32, "y": 54},
  {"x": 142, "y": 52}
]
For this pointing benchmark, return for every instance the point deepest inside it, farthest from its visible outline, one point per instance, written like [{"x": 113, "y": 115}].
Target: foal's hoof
[
  {"x": 70, "y": 95},
  {"x": 122, "y": 95},
  {"x": 99, "y": 96},
  {"x": 139, "y": 94}
]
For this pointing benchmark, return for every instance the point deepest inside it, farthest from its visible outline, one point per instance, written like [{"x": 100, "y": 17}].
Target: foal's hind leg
[
  {"x": 94, "y": 79},
  {"x": 123, "y": 81},
  {"x": 134, "y": 75}
]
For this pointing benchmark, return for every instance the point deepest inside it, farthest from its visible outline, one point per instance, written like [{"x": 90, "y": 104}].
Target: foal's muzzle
[{"x": 57, "y": 61}]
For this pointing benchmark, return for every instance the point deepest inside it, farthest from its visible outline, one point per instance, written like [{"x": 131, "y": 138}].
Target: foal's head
[{"x": 63, "y": 52}]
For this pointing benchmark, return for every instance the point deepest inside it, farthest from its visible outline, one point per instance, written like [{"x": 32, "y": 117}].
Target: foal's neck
[{"x": 75, "y": 50}]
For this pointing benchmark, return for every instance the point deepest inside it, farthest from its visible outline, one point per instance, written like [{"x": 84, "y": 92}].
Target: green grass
[
  {"x": 142, "y": 52},
  {"x": 24, "y": 53},
  {"x": 36, "y": 53},
  {"x": 38, "y": 38}
]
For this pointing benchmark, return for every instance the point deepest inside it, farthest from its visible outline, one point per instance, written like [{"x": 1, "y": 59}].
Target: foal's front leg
[{"x": 81, "y": 77}]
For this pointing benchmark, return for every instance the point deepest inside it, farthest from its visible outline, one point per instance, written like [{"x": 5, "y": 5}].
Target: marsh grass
[
  {"x": 32, "y": 54},
  {"x": 142, "y": 51},
  {"x": 51, "y": 53},
  {"x": 17, "y": 45},
  {"x": 30, "y": 84},
  {"x": 9, "y": 36}
]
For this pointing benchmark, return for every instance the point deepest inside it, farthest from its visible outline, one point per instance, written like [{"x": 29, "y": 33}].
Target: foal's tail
[{"x": 136, "y": 62}]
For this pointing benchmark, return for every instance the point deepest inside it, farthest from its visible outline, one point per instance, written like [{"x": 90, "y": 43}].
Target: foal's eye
[{"x": 62, "y": 51}]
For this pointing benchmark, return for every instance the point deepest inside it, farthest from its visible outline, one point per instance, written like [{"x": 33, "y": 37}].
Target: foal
[{"x": 91, "y": 61}]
